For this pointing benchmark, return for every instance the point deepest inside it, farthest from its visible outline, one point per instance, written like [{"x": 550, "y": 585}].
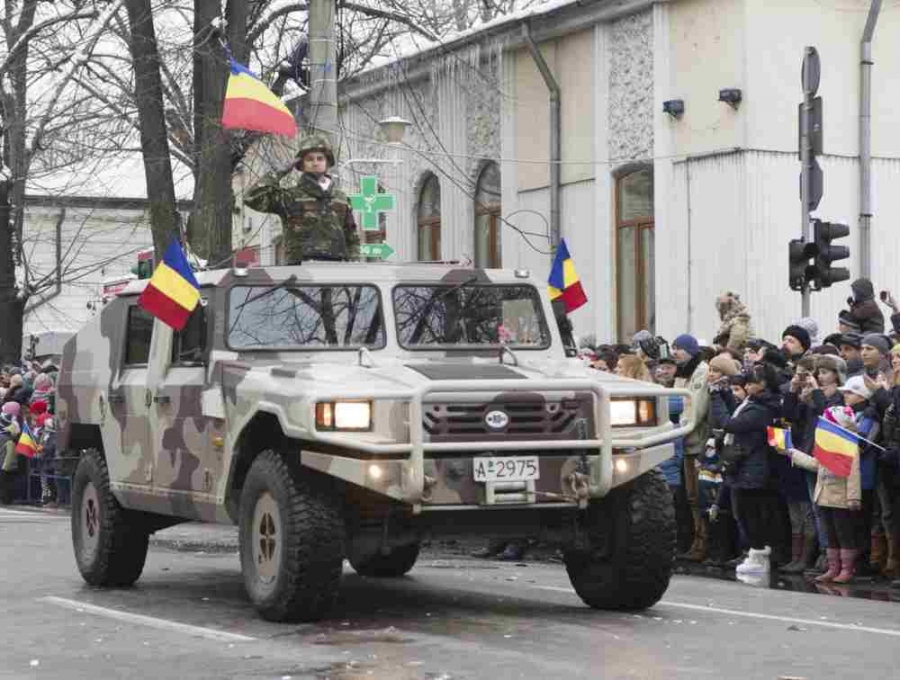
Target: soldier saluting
[{"x": 317, "y": 218}]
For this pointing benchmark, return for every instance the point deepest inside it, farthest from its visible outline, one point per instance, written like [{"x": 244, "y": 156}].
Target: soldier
[{"x": 317, "y": 218}]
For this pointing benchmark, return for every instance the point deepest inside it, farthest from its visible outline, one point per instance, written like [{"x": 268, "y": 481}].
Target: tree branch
[
  {"x": 37, "y": 28},
  {"x": 393, "y": 16},
  {"x": 261, "y": 27}
]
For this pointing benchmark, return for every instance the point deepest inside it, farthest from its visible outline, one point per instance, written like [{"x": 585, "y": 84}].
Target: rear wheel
[
  {"x": 634, "y": 570},
  {"x": 396, "y": 563},
  {"x": 110, "y": 543},
  {"x": 291, "y": 540}
]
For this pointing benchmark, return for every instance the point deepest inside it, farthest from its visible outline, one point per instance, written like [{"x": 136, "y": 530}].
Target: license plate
[{"x": 512, "y": 469}]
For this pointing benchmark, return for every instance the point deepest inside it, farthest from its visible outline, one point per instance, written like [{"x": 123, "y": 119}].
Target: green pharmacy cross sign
[{"x": 371, "y": 203}]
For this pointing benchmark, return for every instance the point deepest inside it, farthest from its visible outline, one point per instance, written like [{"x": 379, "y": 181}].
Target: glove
[{"x": 713, "y": 512}]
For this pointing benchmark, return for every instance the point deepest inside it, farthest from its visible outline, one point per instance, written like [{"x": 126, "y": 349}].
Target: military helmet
[{"x": 316, "y": 143}]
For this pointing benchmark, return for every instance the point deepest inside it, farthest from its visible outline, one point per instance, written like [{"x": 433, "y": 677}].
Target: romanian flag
[
  {"x": 564, "y": 282},
  {"x": 836, "y": 448},
  {"x": 780, "y": 438},
  {"x": 26, "y": 445},
  {"x": 250, "y": 105},
  {"x": 172, "y": 292}
]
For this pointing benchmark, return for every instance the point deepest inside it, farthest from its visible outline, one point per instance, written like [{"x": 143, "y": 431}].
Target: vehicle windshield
[
  {"x": 305, "y": 317},
  {"x": 470, "y": 315}
]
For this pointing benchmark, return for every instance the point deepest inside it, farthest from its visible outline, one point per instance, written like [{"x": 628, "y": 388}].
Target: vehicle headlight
[
  {"x": 632, "y": 412},
  {"x": 344, "y": 415}
]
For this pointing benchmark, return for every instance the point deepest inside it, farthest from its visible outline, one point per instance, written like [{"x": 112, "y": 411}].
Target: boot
[
  {"x": 698, "y": 550},
  {"x": 515, "y": 551},
  {"x": 878, "y": 553},
  {"x": 848, "y": 566},
  {"x": 794, "y": 566},
  {"x": 757, "y": 562},
  {"x": 834, "y": 566},
  {"x": 892, "y": 565},
  {"x": 695, "y": 512}
]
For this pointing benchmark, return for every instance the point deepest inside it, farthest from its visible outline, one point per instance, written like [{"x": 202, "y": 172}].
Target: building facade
[{"x": 660, "y": 212}]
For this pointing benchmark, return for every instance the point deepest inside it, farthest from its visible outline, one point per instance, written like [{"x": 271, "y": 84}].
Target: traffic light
[
  {"x": 801, "y": 267},
  {"x": 826, "y": 254}
]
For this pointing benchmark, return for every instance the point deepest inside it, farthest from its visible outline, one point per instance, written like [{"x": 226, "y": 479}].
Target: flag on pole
[
  {"x": 564, "y": 282},
  {"x": 250, "y": 105},
  {"x": 835, "y": 448},
  {"x": 172, "y": 292},
  {"x": 26, "y": 444},
  {"x": 780, "y": 438}
]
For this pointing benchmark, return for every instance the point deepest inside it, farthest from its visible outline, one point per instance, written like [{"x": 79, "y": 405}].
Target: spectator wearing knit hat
[
  {"x": 863, "y": 307},
  {"x": 874, "y": 353},
  {"x": 691, "y": 375},
  {"x": 850, "y": 346},
  {"x": 795, "y": 342},
  {"x": 847, "y": 324}
]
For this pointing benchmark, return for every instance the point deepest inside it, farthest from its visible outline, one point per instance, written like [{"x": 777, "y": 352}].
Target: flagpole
[{"x": 854, "y": 434}]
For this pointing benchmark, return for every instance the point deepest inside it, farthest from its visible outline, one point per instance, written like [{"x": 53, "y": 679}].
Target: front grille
[{"x": 534, "y": 418}]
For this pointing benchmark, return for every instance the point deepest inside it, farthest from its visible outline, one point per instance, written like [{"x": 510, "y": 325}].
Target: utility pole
[
  {"x": 810, "y": 145},
  {"x": 323, "y": 104}
]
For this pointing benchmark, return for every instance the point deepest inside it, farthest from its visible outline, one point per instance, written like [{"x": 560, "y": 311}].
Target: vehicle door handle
[
  {"x": 162, "y": 399},
  {"x": 114, "y": 398}
]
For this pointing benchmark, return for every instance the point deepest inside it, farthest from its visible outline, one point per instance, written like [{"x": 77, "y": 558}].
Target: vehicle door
[
  {"x": 186, "y": 466},
  {"x": 127, "y": 434}
]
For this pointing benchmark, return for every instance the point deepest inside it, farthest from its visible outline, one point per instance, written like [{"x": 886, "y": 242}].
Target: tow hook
[{"x": 579, "y": 484}]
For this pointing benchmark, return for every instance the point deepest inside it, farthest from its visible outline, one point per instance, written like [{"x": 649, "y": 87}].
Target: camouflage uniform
[{"x": 318, "y": 223}]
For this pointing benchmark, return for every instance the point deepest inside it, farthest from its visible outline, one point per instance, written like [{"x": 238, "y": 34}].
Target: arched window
[
  {"x": 635, "y": 253},
  {"x": 429, "y": 219},
  {"x": 487, "y": 217}
]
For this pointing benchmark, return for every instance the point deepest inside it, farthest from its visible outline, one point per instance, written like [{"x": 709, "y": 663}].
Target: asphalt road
[{"x": 450, "y": 619}]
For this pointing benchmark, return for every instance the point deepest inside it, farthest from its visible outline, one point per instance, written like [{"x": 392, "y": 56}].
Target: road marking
[
  {"x": 753, "y": 615},
  {"x": 152, "y": 622},
  {"x": 32, "y": 513}
]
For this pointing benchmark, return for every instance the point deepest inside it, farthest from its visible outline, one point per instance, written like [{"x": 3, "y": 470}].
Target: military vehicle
[{"x": 352, "y": 410}]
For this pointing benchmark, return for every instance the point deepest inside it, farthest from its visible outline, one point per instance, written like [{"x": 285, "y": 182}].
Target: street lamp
[{"x": 394, "y": 128}]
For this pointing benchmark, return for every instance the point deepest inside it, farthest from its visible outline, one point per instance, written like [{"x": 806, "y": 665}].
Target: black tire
[
  {"x": 291, "y": 540},
  {"x": 109, "y": 542},
  {"x": 635, "y": 572},
  {"x": 393, "y": 565}
]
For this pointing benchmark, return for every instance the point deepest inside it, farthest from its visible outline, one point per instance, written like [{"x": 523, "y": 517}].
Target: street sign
[
  {"x": 370, "y": 203},
  {"x": 378, "y": 251},
  {"x": 811, "y": 71},
  {"x": 816, "y": 184},
  {"x": 816, "y": 127}
]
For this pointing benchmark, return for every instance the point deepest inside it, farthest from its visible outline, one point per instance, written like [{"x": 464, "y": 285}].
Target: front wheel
[
  {"x": 640, "y": 537},
  {"x": 291, "y": 540},
  {"x": 110, "y": 545},
  {"x": 393, "y": 565}
]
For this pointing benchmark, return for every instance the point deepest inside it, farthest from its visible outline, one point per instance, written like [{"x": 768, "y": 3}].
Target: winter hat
[
  {"x": 878, "y": 341},
  {"x": 12, "y": 408},
  {"x": 809, "y": 324},
  {"x": 857, "y": 385},
  {"x": 648, "y": 344},
  {"x": 808, "y": 363},
  {"x": 852, "y": 340},
  {"x": 800, "y": 333},
  {"x": 15, "y": 371},
  {"x": 774, "y": 358},
  {"x": 43, "y": 383},
  {"x": 725, "y": 365},
  {"x": 845, "y": 318},
  {"x": 826, "y": 350},
  {"x": 740, "y": 379},
  {"x": 862, "y": 290},
  {"x": 45, "y": 420},
  {"x": 834, "y": 364},
  {"x": 688, "y": 343},
  {"x": 16, "y": 380},
  {"x": 37, "y": 407}
]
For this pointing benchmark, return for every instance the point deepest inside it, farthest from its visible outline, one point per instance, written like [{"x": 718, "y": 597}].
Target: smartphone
[{"x": 883, "y": 295}]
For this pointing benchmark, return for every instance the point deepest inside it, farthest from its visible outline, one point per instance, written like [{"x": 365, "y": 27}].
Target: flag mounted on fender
[
  {"x": 172, "y": 292},
  {"x": 250, "y": 105},
  {"x": 564, "y": 283}
]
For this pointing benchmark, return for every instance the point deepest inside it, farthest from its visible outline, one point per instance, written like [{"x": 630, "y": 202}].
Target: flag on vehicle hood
[
  {"x": 26, "y": 444},
  {"x": 564, "y": 282},
  {"x": 779, "y": 438},
  {"x": 172, "y": 292},
  {"x": 836, "y": 448},
  {"x": 250, "y": 105}
]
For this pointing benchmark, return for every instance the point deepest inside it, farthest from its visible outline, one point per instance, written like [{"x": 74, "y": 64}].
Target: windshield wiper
[{"x": 268, "y": 291}]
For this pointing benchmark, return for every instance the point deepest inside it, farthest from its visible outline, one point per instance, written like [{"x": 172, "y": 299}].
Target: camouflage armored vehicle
[{"x": 349, "y": 411}]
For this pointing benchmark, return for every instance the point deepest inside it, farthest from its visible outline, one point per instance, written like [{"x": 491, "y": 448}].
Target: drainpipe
[
  {"x": 865, "y": 143},
  {"x": 553, "y": 88}
]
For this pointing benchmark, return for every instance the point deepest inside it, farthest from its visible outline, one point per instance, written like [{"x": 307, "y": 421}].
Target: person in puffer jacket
[
  {"x": 839, "y": 498},
  {"x": 746, "y": 450}
]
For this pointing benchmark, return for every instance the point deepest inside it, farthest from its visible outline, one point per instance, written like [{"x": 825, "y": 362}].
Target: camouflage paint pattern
[{"x": 173, "y": 441}]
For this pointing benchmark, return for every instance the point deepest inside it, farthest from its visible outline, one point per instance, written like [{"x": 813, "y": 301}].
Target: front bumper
[{"x": 573, "y": 470}]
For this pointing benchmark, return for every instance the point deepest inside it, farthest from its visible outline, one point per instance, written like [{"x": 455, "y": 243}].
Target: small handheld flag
[
  {"x": 26, "y": 445},
  {"x": 250, "y": 105},
  {"x": 564, "y": 282},
  {"x": 836, "y": 448},
  {"x": 780, "y": 438},
  {"x": 172, "y": 292}
]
